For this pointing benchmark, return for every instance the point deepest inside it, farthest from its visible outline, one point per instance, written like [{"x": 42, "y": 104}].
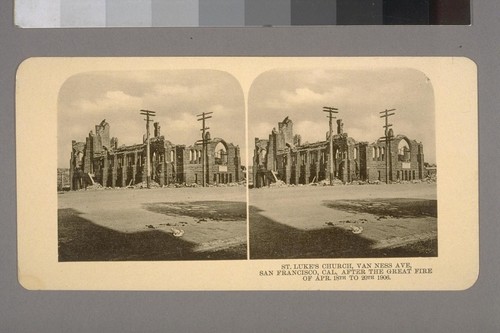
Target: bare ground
[
  {"x": 139, "y": 224},
  {"x": 355, "y": 221}
]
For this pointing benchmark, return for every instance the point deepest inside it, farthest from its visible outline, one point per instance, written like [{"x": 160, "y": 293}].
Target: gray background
[{"x": 476, "y": 309}]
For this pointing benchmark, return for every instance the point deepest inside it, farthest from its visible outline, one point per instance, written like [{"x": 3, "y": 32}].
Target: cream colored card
[{"x": 252, "y": 185}]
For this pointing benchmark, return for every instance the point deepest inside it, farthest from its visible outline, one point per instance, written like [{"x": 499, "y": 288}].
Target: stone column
[
  {"x": 348, "y": 164},
  {"x": 345, "y": 169},
  {"x": 134, "y": 168},
  {"x": 124, "y": 170},
  {"x": 308, "y": 167},
  {"x": 317, "y": 164},
  {"x": 297, "y": 168},
  {"x": 115, "y": 171},
  {"x": 288, "y": 166},
  {"x": 105, "y": 171},
  {"x": 162, "y": 172}
]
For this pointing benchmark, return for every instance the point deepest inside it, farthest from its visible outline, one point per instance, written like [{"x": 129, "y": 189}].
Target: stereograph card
[{"x": 247, "y": 173}]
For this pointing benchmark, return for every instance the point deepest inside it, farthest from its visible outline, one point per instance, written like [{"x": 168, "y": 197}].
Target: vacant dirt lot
[
  {"x": 140, "y": 224},
  {"x": 398, "y": 220}
]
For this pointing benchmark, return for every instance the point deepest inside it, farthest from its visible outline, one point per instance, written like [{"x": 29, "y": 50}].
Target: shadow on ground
[
  {"x": 214, "y": 210},
  {"x": 82, "y": 240},
  {"x": 272, "y": 240},
  {"x": 393, "y": 207}
]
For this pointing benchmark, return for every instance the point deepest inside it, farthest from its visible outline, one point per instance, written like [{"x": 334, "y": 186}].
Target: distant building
[
  {"x": 100, "y": 160},
  {"x": 283, "y": 156},
  {"x": 63, "y": 183}
]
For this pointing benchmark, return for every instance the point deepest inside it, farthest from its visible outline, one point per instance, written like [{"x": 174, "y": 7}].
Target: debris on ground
[
  {"x": 385, "y": 217},
  {"x": 362, "y": 221},
  {"x": 177, "y": 232},
  {"x": 278, "y": 183},
  {"x": 431, "y": 179},
  {"x": 356, "y": 229},
  {"x": 149, "y": 226},
  {"x": 326, "y": 182},
  {"x": 152, "y": 184},
  {"x": 95, "y": 186}
]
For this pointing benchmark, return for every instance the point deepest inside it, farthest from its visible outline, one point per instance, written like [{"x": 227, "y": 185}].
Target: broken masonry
[
  {"x": 283, "y": 157},
  {"x": 101, "y": 160}
]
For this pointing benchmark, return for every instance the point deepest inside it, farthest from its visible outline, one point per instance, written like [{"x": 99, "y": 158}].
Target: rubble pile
[
  {"x": 357, "y": 182},
  {"x": 431, "y": 179},
  {"x": 95, "y": 186},
  {"x": 152, "y": 184},
  {"x": 278, "y": 183},
  {"x": 326, "y": 182}
]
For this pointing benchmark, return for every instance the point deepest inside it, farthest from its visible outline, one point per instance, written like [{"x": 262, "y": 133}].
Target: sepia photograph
[
  {"x": 247, "y": 173},
  {"x": 344, "y": 164},
  {"x": 150, "y": 166}
]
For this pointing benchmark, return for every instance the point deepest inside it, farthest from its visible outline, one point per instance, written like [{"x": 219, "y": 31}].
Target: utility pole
[
  {"x": 387, "y": 138},
  {"x": 330, "y": 116},
  {"x": 202, "y": 117},
  {"x": 148, "y": 114}
]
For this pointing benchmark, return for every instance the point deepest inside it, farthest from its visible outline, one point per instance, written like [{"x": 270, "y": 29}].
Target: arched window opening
[
  {"x": 220, "y": 154},
  {"x": 403, "y": 151}
]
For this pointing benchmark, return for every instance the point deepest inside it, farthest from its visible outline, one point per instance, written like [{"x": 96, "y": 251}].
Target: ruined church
[
  {"x": 284, "y": 157},
  {"x": 101, "y": 160}
]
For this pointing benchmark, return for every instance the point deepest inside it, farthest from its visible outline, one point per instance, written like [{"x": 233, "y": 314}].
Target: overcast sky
[
  {"x": 176, "y": 96},
  {"x": 358, "y": 94}
]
